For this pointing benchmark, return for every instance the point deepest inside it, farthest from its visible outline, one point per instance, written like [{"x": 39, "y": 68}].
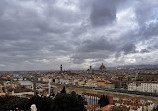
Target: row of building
[{"x": 143, "y": 86}]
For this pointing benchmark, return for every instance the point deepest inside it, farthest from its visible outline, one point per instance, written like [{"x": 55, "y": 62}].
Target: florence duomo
[{"x": 101, "y": 69}]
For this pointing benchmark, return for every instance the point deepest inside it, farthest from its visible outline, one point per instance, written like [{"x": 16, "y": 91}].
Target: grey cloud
[
  {"x": 144, "y": 51},
  {"x": 150, "y": 30},
  {"x": 128, "y": 48},
  {"x": 146, "y": 11},
  {"x": 96, "y": 45},
  {"x": 35, "y": 30},
  {"x": 147, "y": 19},
  {"x": 103, "y": 12},
  {"x": 103, "y": 48}
]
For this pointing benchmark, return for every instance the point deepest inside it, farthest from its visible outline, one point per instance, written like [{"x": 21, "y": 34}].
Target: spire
[
  {"x": 90, "y": 67},
  {"x": 61, "y": 68}
]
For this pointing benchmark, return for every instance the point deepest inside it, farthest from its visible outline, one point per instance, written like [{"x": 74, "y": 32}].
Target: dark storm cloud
[
  {"x": 93, "y": 49},
  {"x": 103, "y": 48},
  {"x": 150, "y": 30},
  {"x": 129, "y": 48},
  {"x": 25, "y": 34},
  {"x": 34, "y": 34},
  {"x": 96, "y": 45},
  {"x": 146, "y": 14},
  {"x": 103, "y": 12},
  {"x": 144, "y": 51}
]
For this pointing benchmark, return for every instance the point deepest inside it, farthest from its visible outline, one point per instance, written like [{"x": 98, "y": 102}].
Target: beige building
[{"x": 105, "y": 84}]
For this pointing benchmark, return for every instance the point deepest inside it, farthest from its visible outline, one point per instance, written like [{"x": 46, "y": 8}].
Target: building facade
[{"x": 151, "y": 87}]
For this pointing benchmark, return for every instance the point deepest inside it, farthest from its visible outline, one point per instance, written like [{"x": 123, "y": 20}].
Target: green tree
[
  {"x": 12, "y": 102},
  {"x": 68, "y": 102},
  {"x": 81, "y": 99},
  {"x": 42, "y": 103},
  {"x": 53, "y": 94},
  {"x": 73, "y": 93},
  {"x": 63, "y": 90},
  {"x": 2, "y": 102},
  {"x": 103, "y": 101}
]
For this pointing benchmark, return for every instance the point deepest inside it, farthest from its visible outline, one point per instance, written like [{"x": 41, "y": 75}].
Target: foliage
[
  {"x": 12, "y": 102},
  {"x": 68, "y": 102},
  {"x": 62, "y": 102},
  {"x": 103, "y": 101},
  {"x": 53, "y": 94},
  {"x": 73, "y": 93},
  {"x": 63, "y": 91},
  {"x": 43, "y": 103}
]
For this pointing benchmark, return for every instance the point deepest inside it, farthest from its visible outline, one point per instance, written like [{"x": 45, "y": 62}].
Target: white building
[
  {"x": 134, "y": 86},
  {"x": 26, "y": 84},
  {"x": 149, "y": 87},
  {"x": 22, "y": 93},
  {"x": 143, "y": 87},
  {"x": 66, "y": 81}
]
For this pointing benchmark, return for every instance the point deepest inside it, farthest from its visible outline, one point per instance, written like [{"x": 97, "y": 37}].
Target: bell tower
[{"x": 61, "y": 68}]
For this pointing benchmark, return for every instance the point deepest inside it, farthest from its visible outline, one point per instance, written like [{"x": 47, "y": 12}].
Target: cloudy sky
[{"x": 42, "y": 34}]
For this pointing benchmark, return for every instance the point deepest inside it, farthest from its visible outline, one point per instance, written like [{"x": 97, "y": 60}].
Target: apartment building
[{"x": 143, "y": 87}]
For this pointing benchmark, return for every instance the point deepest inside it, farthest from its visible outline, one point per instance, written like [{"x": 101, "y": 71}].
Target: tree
[
  {"x": 53, "y": 80},
  {"x": 42, "y": 103},
  {"x": 73, "y": 93},
  {"x": 103, "y": 101},
  {"x": 155, "y": 108},
  {"x": 53, "y": 94},
  {"x": 68, "y": 102},
  {"x": 63, "y": 101},
  {"x": 81, "y": 99},
  {"x": 13, "y": 102},
  {"x": 63, "y": 90}
]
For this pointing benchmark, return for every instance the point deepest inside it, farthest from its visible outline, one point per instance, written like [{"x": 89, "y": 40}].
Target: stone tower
[{"x": 61, "y": 68}]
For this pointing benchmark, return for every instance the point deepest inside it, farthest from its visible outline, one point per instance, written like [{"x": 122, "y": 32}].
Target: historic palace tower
[{"x": 61, "y": 68}]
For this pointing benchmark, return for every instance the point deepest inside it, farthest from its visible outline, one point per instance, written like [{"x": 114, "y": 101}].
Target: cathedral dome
[{"x": 102, "y": 67}]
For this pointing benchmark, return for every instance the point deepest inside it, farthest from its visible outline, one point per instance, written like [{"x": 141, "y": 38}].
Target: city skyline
[{"x": 42, "y": 34}]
